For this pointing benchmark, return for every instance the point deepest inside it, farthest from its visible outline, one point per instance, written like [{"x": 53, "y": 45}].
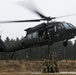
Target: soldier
[
  {"x": 50, "y": 64},
  {"x": 53, "y": 63},
  {"x": 44, "y": 66}
]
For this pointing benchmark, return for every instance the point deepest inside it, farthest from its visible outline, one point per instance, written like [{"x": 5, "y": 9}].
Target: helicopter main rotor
[{"x": 42, "y": 17}]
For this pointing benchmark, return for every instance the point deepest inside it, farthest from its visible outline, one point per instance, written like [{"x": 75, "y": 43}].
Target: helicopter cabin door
[
  {"x": 44, "y": 35},
  {"x": 41, "y": 35}
]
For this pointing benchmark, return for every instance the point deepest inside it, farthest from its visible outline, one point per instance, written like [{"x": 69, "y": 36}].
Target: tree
[{"x": 7, "y": 41}]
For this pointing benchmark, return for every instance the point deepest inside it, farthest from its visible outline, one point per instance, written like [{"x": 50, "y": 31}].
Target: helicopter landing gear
[{"x": 65, "y": 43}]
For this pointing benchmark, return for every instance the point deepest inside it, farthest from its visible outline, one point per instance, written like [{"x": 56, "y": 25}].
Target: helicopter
[{"x": 43, "y": 34}]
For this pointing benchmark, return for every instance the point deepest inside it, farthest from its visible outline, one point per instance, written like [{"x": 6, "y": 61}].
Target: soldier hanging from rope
[{"x": 50, "y": 64}]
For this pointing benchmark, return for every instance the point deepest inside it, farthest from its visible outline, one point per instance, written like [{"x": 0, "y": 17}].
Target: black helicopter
[{"x": 42, "y": 34}]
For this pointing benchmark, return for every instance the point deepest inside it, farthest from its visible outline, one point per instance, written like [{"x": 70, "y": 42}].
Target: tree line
[{"x": 40, "y": 53}]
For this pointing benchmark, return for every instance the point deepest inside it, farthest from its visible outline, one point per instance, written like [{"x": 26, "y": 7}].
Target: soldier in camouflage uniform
[
  {"x": 50, "y": 64},
  {"x": 53, "y": 63},
  {"x": 45, "y": 66}
]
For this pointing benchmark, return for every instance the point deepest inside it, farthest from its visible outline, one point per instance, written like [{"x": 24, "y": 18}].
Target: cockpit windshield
[{"x": 68, "y": 25}]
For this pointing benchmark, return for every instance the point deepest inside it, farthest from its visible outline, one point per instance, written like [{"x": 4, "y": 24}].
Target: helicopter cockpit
[
  {"x": 68, "y": 25},
  {"x": 65, "y": 25}
]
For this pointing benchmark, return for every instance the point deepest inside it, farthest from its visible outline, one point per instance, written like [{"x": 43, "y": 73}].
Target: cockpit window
[
  {"x": 70, "y": 25},
  {"x": 67, "y": 26},
  {"x": 60, "y": 26}
]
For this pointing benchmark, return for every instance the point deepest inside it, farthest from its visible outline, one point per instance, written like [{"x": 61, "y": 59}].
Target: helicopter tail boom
[{"x": 13, "y": 48}]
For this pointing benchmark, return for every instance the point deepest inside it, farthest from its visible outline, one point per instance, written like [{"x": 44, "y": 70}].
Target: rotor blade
[
  {"x": 66, "y": 16},
  {"x": 29, "y": 5},
  {"x": 41, "y": 15},
  {"x": 35, "y": 20}
]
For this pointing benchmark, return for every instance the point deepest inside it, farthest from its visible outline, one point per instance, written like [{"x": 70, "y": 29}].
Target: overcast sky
[{"x": 13, "y": 10}]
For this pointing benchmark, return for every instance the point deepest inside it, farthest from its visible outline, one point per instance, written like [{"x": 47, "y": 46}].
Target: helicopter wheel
[{"x": 65, "y": 43}]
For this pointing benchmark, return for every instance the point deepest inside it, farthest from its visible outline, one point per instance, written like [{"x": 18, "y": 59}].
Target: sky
[{"x": 14, "y": 10}]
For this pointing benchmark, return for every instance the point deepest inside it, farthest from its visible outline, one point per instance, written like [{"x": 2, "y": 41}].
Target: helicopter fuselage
[
  {"x": 43, "y": 34},
  {"x": 56, "y": 31}
]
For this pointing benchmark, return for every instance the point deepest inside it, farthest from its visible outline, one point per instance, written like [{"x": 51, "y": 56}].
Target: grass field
[{"x": 21, "y": 67}]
